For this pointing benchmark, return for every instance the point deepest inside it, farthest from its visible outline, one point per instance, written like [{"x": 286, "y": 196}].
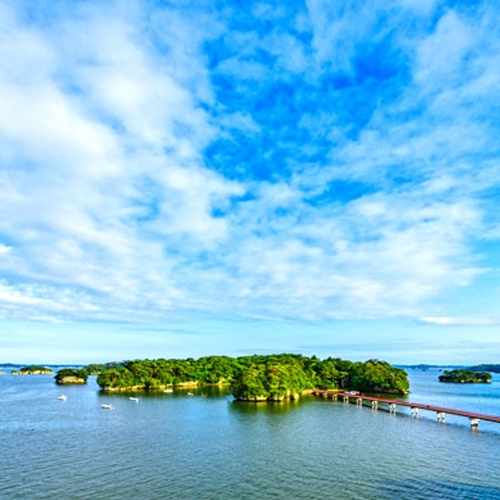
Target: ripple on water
[{"x": 212, "y": 448}]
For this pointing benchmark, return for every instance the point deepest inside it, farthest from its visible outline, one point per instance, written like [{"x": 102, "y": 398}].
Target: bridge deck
[{"x": 438, "y": 409}]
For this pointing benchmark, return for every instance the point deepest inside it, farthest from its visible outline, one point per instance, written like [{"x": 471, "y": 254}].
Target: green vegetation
[
  {"x": 33, "y": 370},
  {"x": 96, "y": 368},
  {"x": 67, "y": 376},
  {"x": 495, "y": 368},
  {"x": 465, "y": 377},
  {"x": 258, "y": 378}
]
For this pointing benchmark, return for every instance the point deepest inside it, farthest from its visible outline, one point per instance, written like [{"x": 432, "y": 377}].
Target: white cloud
[
  {"x": 338, "y": 28},
  {"x": 461, "y": 321},
  {"x": 98, "y": 114},
  {"x": 441, "y": 56},
  {"x": 109, "y": 211},
  {"x": 5, "y": 249},
  {"x": 421, "y": 7}
]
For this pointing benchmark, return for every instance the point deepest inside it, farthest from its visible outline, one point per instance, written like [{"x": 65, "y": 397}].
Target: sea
[{"x": 209, "y": 446}]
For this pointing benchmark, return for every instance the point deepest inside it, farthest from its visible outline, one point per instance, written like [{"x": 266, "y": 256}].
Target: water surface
[{"x": 171, "y": 446}]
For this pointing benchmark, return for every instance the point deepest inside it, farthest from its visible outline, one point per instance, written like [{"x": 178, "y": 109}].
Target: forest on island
[
  {"x": 32, "y": 370},
  {"x": 257, "y": 377},
  {"x": 460, "y": 376},
  {"x": 67, "y": 376},
  {"x": 489, "y": 367}
]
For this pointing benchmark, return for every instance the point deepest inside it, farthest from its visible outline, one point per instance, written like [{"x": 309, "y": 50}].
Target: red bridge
[{"x": 393, "y": 403}]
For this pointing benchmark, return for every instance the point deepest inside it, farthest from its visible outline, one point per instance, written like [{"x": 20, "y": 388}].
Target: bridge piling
[{"x": 441, "y": 412}]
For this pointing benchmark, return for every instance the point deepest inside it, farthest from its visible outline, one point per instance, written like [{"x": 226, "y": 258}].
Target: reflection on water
[{"x": 208, "y": 446}]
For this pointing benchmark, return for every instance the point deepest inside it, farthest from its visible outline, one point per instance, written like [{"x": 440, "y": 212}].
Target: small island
[
  {"x": 71, "y": 376},
  {"x": 257, "y": 378},
  {"x": 33, "y": 370},
  {"x": 461, "y": 376}
]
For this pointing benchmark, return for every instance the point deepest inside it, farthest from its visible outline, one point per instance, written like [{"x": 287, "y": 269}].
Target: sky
[{"x": 180, "y": 179}]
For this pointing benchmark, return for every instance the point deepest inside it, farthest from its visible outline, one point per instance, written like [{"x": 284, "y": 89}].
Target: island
[
  {"x": 462, "y": 376},
  {"x": 490, "y": 367},
  {"x": 71, "y": 376},
  {"x": 257, "y": 377},
  {"x": 33, "y": 370}
]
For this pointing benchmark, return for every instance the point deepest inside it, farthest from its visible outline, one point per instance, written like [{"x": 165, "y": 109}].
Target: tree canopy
[
  {"x": 33, "y": 370},
  {"x": 465, "y": 377},
  {"x": 71, "y": 375},
  {"x": 255, "y": 378},
  {"x": 488, "y": 367}
]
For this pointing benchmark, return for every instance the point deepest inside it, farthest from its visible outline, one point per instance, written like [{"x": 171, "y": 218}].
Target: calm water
[{"x": 208, "y": 447}]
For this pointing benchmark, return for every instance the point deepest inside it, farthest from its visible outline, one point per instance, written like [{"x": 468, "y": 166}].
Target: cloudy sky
[{"x": 201, "y": 177}]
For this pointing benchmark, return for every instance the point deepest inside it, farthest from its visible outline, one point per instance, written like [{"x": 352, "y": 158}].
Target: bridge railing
[{"x": 392, "y": 404}]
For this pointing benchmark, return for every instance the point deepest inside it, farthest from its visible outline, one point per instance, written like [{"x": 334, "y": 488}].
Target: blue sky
[{"x": 188, "y": 178}]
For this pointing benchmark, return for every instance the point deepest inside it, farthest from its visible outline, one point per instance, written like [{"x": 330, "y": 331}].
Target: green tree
[
  {"x": 378, "y": 376},
  {"x": 249, "y": 384},
  {"x": 71, "y": 372},
  {"x": 258, "y": 377}
]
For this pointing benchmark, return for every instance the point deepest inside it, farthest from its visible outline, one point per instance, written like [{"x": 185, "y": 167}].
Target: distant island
[
  {"x": 425, "y": 367},
  {"x": 465, "y": 377},
  {"x": 495, "y": 368},
  {"x": 257, "y": 378},
  {"x": 33, "y": 370}
]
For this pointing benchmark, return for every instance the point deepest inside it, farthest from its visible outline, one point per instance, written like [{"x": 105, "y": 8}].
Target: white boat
[
  {"x": 190, "y": 394},
  {"x": 134, "y": 399},
  {"x": 107, "y": 407},
  {"x": 168, "y": 390},
  {"x": 62, "y": 397}
]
